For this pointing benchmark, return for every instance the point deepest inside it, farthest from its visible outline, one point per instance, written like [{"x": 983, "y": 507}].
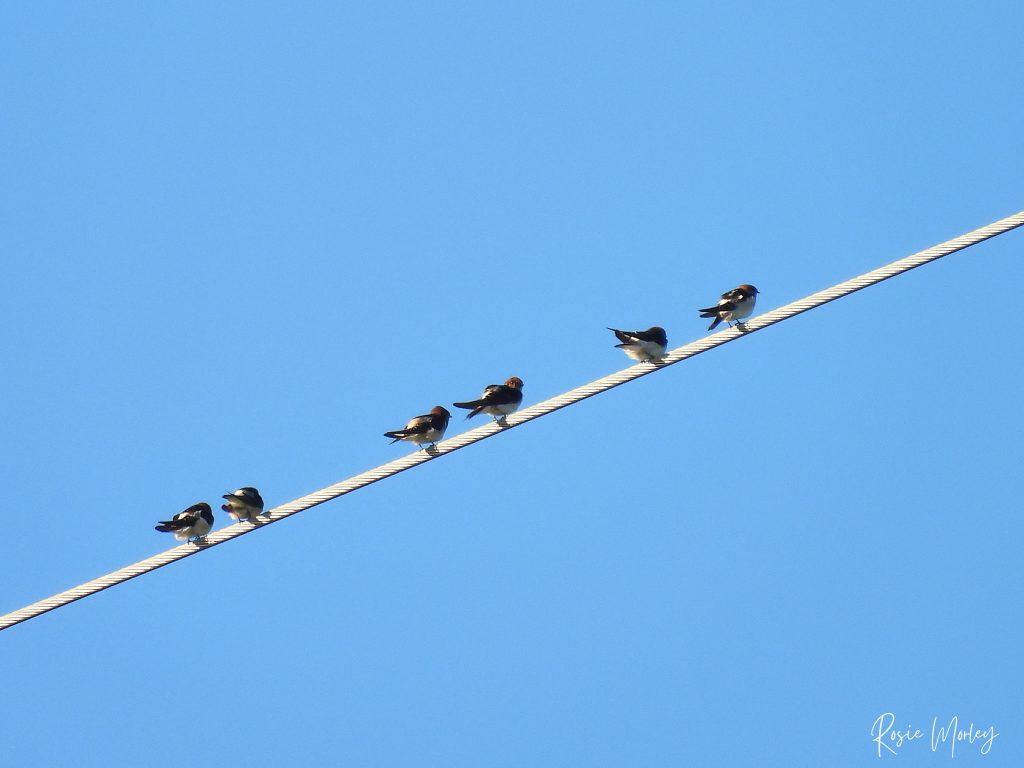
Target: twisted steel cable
[{"x": 514, "y": 420}]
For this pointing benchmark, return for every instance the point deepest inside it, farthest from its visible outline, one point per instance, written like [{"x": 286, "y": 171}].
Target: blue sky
[{"x": 242, "y": 240}]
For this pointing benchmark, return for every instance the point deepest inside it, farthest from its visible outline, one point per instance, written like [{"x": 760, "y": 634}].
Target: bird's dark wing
[
  {"x": 487, "y": 398},
  {"x": 176, "y": 523},
  {"x": 416, "y": 426},
  {"x": 191, "y": 514},
  {"x": 655, "y": 336},
  {"x": 725, "y": 306},
  {"x": 736, "y": 294}
]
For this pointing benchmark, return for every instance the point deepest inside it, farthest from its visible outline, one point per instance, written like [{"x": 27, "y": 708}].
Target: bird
[
  {"x": 243, "y": 504},
  {"x": 732, "y": 307},
  {"x": 645, "y": 346},
  {"x": 497, "y": 400},
  {"x": 428, "y": 428},
  {"x": 194, "y": 523}
]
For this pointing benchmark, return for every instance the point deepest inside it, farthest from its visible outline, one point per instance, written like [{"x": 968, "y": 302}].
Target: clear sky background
[{"x": 242, "y": 240}]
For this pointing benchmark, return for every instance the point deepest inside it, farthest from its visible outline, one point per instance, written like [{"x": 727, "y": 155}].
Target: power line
[{"x": 521, "y": 417}]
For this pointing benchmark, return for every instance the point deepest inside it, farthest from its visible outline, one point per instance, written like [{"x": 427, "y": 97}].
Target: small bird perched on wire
[
  {"x": 243, "y": 504},
  {"x": 497, "y": 400},
  {"x": 194, "y": 523},
  {"x": 645, "y": 346},
  {"x": 421, "y": 430},
  {"x": 732, "y": 307}
]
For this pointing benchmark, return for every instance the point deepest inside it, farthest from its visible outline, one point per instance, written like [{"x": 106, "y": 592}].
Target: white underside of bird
[
  {"x": 239, "y": 510},
  {"x": 499, "y": 410},
  {"x": 643, "y": 350},
  {"x": 199, "y": 528}
]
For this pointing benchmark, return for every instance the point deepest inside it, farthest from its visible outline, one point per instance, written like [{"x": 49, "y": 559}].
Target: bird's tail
[
  {"x": 398, "y": 435},
  {"x": 475, "y": 407},
  {"x": 166, "y": 526},
  {"x": 712, "y": 312},
  {"x": 620, "y": 336}
]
